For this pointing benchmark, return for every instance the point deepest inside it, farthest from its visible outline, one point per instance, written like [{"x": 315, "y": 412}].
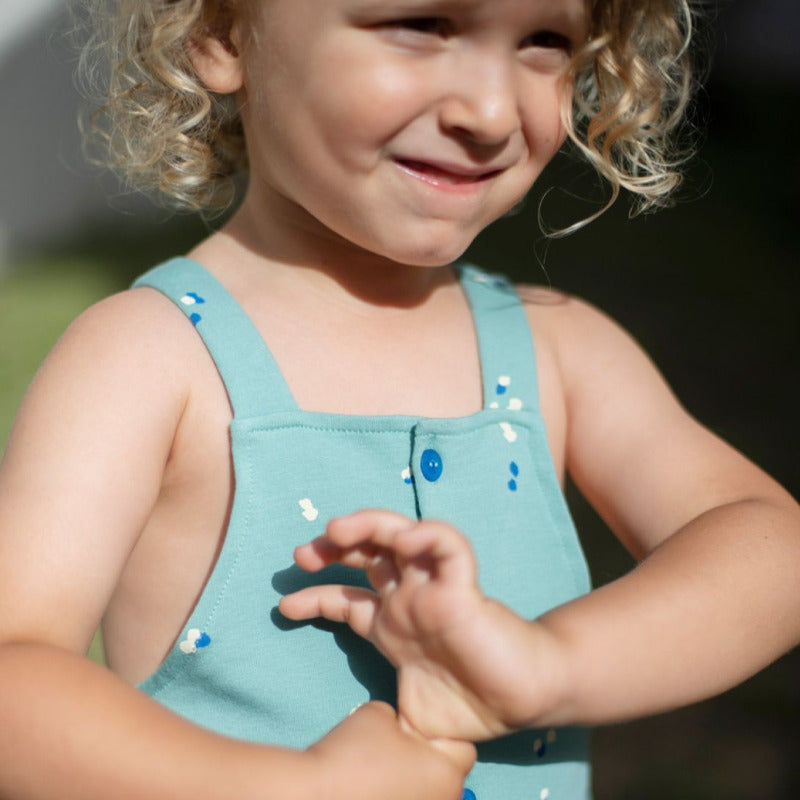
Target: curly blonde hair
[
  {"x": 626, "y": 94},
  {"x": 154, "y": 122},
  {"x": 630, "y": 86}
]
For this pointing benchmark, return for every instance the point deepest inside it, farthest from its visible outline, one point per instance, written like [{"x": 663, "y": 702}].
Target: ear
[{"x": 216, "y": 59}]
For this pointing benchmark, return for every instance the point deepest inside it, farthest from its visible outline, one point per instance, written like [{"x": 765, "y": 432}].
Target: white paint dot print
[
  {"x": 308, "y": 510},
  {"x": 195, "y": 640},
  {"x": 508, "y": 432}
]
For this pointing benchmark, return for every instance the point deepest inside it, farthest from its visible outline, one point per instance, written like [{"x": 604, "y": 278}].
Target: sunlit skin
[
  {"x": 396, "y": 130},
  {"x": 383, "y": 136}
]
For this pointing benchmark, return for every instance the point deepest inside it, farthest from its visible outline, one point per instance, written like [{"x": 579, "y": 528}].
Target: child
[{"x": 164, "y": 465}]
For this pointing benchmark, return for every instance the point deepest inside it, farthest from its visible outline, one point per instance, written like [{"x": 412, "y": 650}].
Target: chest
[{"x": 333, "y": 463}]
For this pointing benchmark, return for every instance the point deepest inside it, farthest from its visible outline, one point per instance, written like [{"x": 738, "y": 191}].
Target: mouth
[{"x": 445, "y": 175}]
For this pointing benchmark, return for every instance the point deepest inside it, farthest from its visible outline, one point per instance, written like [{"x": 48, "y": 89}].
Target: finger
[
  {"x": 375, "y": 708},
  {"x": 353, "y": 606},
  {"x": 463, "y": 754},
  {"x": 321, "y": 552},
  {"x": 378, "y": 563},
  {"x": 371, "y": 526},
  {"x": 352, "y": 540},
  {"x": 382, "y": 572},
  {"x": 449, "y": 551}
]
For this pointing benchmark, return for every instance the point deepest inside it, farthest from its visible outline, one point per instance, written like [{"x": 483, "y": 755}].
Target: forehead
[
  {"x": 499, "y": 6},
  {"x": 571, "y": 8}
]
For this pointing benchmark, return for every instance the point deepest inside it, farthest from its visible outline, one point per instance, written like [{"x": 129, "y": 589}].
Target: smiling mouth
[{"x": 443, "y": 175}]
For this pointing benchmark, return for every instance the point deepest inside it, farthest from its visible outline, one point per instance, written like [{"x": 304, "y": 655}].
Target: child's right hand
[
  {"x": 428, "y": 616},
  {"x": 389, "y": 762}
]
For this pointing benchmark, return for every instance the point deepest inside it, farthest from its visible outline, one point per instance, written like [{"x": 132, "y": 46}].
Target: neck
[{"x": 319, "y": 260}]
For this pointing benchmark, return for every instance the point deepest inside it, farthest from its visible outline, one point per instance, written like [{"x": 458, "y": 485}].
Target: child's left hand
[{"x": 460, "y": 656}]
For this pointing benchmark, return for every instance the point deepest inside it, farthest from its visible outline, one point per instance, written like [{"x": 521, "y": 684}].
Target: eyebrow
[
  {"x": 571, "y": 16},
  {"x": 415, "y": 7},
  {"x": 433, "y": 7}
]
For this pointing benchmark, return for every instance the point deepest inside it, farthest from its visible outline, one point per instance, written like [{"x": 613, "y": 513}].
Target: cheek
[
  {"x": 543, "y": 123},
  {"x": 366, "y": 97}
]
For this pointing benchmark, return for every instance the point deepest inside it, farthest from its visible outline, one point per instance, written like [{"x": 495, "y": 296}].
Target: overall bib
[{"x": 243, "y": 670}]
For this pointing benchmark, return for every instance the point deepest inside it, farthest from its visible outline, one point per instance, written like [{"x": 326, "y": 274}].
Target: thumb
[{"x": 460, "y": 752}]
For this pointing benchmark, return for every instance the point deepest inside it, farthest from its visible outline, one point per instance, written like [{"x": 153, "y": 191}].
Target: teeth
[
  {"x": 428, "y": 169},
  {"x": 439, "y": 174},
  {"x": 419, "y": 166}
]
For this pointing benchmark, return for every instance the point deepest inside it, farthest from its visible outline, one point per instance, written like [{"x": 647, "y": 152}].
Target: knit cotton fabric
[{"x": 243, "y": 670}]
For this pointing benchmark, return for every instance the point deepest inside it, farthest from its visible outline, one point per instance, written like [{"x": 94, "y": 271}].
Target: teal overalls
[{"x": 242, "y": 669}]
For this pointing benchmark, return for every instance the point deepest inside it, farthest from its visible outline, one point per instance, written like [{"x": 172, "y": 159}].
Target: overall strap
[
  {"x": 252, "y": 379},
  {"x": 508, "y": 359}
]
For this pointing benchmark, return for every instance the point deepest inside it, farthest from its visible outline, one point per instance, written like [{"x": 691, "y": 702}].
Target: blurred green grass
[{"x": 38, "y": 300}]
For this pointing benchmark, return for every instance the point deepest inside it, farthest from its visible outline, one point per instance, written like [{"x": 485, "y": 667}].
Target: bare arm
[
  {"x": 81, "y": 474},
  {"x": 71, "y": 729},
  {"x": 74, "y": 731},
  {"x": 713, "y": 601},
  {"x": 707, "y": 609},
  {"x": 714, "y": 598}
]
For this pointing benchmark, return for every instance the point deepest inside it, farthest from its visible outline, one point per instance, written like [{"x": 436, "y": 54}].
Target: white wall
[
  {"x": 47, "y": 191},
  {"x": 18, "y": 17}
]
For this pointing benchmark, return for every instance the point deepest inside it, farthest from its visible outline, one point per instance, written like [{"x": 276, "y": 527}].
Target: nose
[{"x": 482, "y": 100}]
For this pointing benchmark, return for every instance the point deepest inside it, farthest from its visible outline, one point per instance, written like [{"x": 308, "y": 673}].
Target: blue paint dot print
[
  {"x": 503, "y": 382},
  {"x": 468, "y": 795},
  {"x": 407, "y": 476},
  {"x": 195, "y": 639},
  {"x": 191, "y": 299},
  {"x": 514, "y": 470}
]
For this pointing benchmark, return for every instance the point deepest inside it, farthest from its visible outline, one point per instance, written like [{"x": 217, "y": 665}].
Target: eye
[{"x": 548, "y": 40}]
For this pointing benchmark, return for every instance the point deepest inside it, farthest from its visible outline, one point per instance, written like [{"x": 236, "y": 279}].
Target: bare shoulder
[
  {"x": 635, "y": 452},
  {"x": 570, "y": 324},
  {"x": 136, "y": 323},
  {"x": 592, "y": 352},
  {"x": 85, "y": 461},
  {"x": 126, "y": 356}
]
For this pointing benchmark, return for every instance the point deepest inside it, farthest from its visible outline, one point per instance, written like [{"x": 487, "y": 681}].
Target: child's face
[{"x": 403, "y": 127}]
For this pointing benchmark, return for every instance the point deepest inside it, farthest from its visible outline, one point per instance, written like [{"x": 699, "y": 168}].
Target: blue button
[
  {"x": 431, "y": 465},
  {"x": 468, "y": 795}
]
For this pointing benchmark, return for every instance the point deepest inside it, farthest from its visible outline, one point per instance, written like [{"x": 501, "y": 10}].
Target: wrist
[
  {"x": 550, "y": 694},
  {"x": 321, "y": 770},
  {"x": 532, "y": 689}
]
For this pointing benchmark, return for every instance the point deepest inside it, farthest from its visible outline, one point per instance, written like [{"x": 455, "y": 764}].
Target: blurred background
[{"x": 709, "y": 288}]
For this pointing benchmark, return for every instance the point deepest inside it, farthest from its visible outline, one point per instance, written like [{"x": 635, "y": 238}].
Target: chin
[
  {"x": 428, "y": 258},
  {"x": 417, "y": 252}
]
